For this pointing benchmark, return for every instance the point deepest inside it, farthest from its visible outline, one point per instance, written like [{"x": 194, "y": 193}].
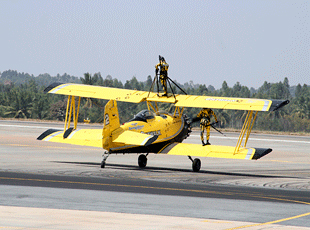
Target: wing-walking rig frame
[
  {"x": 178, "y": 112},
  {"x": 156, "y": 80}
]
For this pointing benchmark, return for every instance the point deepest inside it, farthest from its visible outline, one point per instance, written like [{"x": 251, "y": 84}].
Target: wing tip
[
  {"x": 277, "y": 104},
  {"x": 47, "y": 133},
  {"x": 260, "y": 152},
  {"x": 52, "y": 86}
]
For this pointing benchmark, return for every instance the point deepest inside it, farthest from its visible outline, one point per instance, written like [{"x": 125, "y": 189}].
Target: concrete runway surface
[{"x": 54, "y": 186}]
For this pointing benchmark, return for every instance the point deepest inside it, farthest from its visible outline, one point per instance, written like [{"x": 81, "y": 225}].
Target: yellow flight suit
[
  {"x": 163, "y": 73},
  {"x": 205, "y": 117}
]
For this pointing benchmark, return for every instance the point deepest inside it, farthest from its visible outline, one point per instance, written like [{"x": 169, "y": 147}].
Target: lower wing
[
  {"x": 216, "y": 151},
  {"x": 94, "y": 138},
  {"x": 87, "y": 137}
]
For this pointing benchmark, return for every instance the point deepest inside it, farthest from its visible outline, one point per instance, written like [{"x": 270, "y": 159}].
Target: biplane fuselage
[
  {"x": 166, "y": 127},
  {"x": 152, "y": 131},
  {"x": 147, "y": 132}
]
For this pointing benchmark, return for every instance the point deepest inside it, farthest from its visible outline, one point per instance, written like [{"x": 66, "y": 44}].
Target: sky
[{"x": 207, "y": 42}]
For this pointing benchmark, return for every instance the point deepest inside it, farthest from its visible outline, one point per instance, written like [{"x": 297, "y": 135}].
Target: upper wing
[
  {"x": 217, "y": 151},
  {"x": 99, "y": 92},
  {"x": 229, "y": 103},
  {"x": 136, "y": 96}
]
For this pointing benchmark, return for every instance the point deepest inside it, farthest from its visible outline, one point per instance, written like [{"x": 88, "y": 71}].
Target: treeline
[
  {"x": 12, "y": 76},
  {"x": 21, "y": 96}
]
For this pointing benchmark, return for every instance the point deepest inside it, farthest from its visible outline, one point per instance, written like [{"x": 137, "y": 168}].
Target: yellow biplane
[{"x": 153, "y": 131}]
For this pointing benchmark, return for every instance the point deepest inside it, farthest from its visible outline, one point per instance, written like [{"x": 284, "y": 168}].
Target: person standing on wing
[
  {"x": 162, "y": 67},
  {"x": 205, "y": 117}
]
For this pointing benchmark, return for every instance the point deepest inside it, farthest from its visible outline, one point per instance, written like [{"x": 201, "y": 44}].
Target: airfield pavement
[{"x": 54, "y": 186}]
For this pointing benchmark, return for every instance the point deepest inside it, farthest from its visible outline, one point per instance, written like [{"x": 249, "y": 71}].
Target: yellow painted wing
[
  {"x": 134, "y": 138},
  {"x": 93, "y": 137},
  {"x": 224, "y": 103},
  {"x": 100, "y": 92},
  {"x": 216, "y": 151},
  {"x": 136, "y": 96},
  {"x": 220, "y": 102},
  {"x": 87, "y": 137}
]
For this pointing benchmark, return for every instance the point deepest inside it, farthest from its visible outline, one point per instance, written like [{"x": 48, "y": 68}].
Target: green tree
[{"x": 88, "y": 79}]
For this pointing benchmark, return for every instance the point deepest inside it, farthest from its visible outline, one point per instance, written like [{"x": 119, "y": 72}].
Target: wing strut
[
  {"x": 71, "y": 108},
  {"x": 246, "y": 129},
  {"x": 150, "y": 106}
]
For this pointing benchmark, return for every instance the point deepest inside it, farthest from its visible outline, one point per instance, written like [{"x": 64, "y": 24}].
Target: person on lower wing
[
  {"x": 162, "y": 67},
  {"x": 205, "y": 117}
]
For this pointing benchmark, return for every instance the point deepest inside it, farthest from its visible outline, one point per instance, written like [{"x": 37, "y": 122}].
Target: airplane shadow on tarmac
[{"x": 164, "y": 169}]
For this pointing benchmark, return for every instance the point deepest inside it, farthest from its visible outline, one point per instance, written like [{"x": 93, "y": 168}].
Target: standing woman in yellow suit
[
  {"x": 205, "y": 117},
  {"x": 162, "y": 67}
]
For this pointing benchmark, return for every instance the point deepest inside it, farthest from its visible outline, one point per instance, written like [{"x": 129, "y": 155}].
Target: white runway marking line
[
  {"x": 24, "y": 126},
  {"x": 232, "y": 138},
  {"x": 257, "y": 139}
]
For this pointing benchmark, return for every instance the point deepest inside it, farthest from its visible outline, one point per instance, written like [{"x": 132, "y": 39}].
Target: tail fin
[
  {"x": 110, "y": 123},
  {"x": 111, "y": 118}
]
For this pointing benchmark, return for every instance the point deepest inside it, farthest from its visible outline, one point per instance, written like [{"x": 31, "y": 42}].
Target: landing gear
[
  {"x": 142, "y": 161},
  {"x": 196, "y": 164},
  {"x": 105, "y": 156},
  {"x": 102, "y": 165}
]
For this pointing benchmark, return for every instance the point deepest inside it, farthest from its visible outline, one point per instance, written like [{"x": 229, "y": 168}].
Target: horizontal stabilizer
[
  {"x": 134, "y": 138},
  {"x": 216, "y": 151},
  {"x": 87, "y": 137}
]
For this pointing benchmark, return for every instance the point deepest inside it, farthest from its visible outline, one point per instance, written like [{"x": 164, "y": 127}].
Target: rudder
[{"x": 111, "y": 118}]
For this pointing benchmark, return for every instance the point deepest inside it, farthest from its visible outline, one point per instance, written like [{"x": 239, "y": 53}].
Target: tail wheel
[
  {"x": 196, "y": 165},
  {"x": 142, "y": 161}
]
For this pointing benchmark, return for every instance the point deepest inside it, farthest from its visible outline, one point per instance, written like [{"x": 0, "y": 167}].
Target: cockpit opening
[{"x": 143, "y": 115}]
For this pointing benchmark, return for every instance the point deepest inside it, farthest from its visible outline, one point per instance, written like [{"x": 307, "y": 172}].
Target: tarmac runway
[{"x": 55, "y": 186}]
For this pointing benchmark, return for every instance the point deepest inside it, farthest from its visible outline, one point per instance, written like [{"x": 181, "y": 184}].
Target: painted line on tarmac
[
  {"x": 117, "y": 185},
  {"x": 271, "y": 222},
  {"x": 25, "y": 126},
  {"x": 41, "y": 127},
  {"x": 53, "y": 147},
  {"x": 291, "y": 162},
  {"x": 159, "y": 188},
  {"x": 193, "y": 135},
  {"x": 257, "y": 139},
  {"x": 10, "y": 227}
]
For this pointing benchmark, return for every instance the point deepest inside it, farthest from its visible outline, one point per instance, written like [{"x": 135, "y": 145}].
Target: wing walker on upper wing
[{"x": 152, "y": 130}]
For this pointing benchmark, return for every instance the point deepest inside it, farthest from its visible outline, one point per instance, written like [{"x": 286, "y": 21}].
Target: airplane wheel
[
  {"x": 196, "y": 165},
  {"x": 102, "y": 164},
  {"x": 142, "y": 161}
]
